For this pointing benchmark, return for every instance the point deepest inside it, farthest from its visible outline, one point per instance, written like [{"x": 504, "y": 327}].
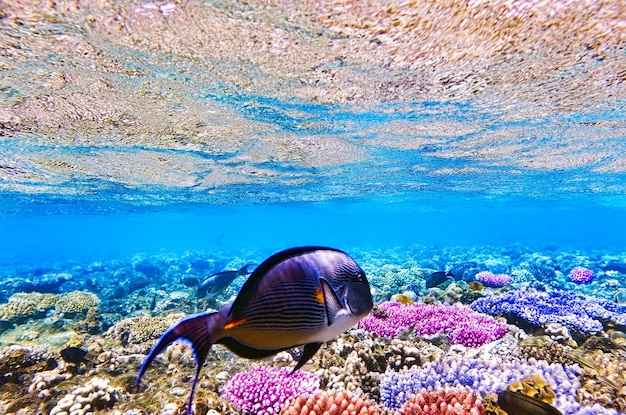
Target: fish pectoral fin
[
  {"x": 309, "y": 351},
  {"x": 331, "y": 301}
]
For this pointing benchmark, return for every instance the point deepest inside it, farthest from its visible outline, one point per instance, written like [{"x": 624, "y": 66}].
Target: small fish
[
  {"x": 300, "y": 296},
  {"x": 74, "y": 355},
  {"x": 437, "y": 278},
  {"x": 216, "y": 283},
  {"x": 403, "y": 299},
  {"x": 514, "y": 403},
  {"x": 620, "y": 297},
  {"x": 535, "y": 341},
  {"x": 476, "y": 286}
]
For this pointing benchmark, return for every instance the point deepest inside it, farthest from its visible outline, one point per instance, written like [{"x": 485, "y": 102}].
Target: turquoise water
[{"x": 53, "y": 234}]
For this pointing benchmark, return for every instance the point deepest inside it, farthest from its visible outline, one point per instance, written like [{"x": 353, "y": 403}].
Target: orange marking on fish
[
  {"x": 234, "y": 324},
  {"x": 319, "y": 295}
]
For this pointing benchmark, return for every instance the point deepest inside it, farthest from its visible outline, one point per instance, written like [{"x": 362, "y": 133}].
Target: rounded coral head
[{"x": 581, "y": 275}]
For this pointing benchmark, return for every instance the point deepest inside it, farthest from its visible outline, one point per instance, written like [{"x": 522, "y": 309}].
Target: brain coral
[
  {"x": 462, "y": 324},
  {"x": 76, "y": 302},
  {"x": 569, "y": 308},
  {"x": 265, "y": 390},
  {"x": 324, "y": 402},
  {"x": 443, "y": 401}
]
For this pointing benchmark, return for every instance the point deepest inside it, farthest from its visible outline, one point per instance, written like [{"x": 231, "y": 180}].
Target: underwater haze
[{"x": 145, "y": 146}]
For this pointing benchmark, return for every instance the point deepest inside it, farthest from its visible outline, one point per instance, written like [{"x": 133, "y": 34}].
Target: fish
[
  {"x": 216, "y": 283},
  {"x": 74, "y": 355},
  {"x": 403, "y": 299},
  {"x": 515, "y": 403},
  {"x": 301, "y": 296},
  {"x": 476, "y": 286},
  {"x": 437, "y": 278}
]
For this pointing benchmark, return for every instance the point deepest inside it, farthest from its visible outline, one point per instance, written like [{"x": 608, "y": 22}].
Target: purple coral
[
  {"x": 493, "y": 280},
  {"x": 483, "y": 377},
  {"x": 480, "y": 375},
  {"x": 265, "y": 390},
  {"x": 569, "y": 308},
  {"x": 581, "y": 275},
  {"x": 463, "y": 325}
]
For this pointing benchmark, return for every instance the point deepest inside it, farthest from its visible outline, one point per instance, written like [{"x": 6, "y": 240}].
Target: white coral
[{"x": 85, "y": 399}]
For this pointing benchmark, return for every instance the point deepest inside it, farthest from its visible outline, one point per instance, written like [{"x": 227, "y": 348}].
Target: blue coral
[
  {"x": 484, "y": 377},
  {"x": 576, "y": 311}
]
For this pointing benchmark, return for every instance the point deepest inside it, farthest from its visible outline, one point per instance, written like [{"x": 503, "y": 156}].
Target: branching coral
[
  {"x": 576, "y": 311},
  {"x": 443, "y": 401},
  {"x": 324, "y": 402},
  {"x": 459, "y": 322},
  {"x": 482, "y": 376},
  {"x": 265, "y": 390}
]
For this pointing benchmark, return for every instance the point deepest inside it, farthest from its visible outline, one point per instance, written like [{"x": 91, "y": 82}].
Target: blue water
[{"x": 48, "y": 237}]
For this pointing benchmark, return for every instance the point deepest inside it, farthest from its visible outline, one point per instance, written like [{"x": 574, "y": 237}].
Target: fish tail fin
[{"x": 198, "y": 332}]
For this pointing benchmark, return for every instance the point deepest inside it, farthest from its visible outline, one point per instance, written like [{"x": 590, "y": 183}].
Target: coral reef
[
  {"x": 137, "y": 330},
  {"x": 544, "y": 348},
  {"x": 324, "y": 402},
  {"x": 17, "y": 361},
  {"x": 386, "y": 364},
  {"x": 459, "y": 322},
  {"x": 443, "y": 401},
  {"x": 76, "y": 302},
  {"x": 576, "y": 311},
  {"x": 26, "y": 305},
  {"x": 581, "y": 275},
  {"x": 493, "y": 280},
  {"x": 265, "y": 390},
  {"x": 483, "y": 376},
  {"x": 94, "y": 395}
]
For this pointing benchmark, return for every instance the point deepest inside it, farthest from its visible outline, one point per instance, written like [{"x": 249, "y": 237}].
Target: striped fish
[{"x": 300, "y": 296}]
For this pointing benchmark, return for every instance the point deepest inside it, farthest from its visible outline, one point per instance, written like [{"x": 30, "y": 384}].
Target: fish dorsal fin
[
  {"x": 244, "y": 270},
  {"x": 248, "y": 288},
  {"x": 309, "y": 350},
  {"x": 332, "y": 304}
]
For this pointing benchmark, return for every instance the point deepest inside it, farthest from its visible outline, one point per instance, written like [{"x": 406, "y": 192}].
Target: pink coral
[
  {"x": 462, "y": 324},
  {"x": 581, "y": 275},
  {"x": 265, "y": 390},
  {"x": 329, "y": 403},
  {"x": 446, "y": 401},
  {"x": 493, "y": 280}
]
